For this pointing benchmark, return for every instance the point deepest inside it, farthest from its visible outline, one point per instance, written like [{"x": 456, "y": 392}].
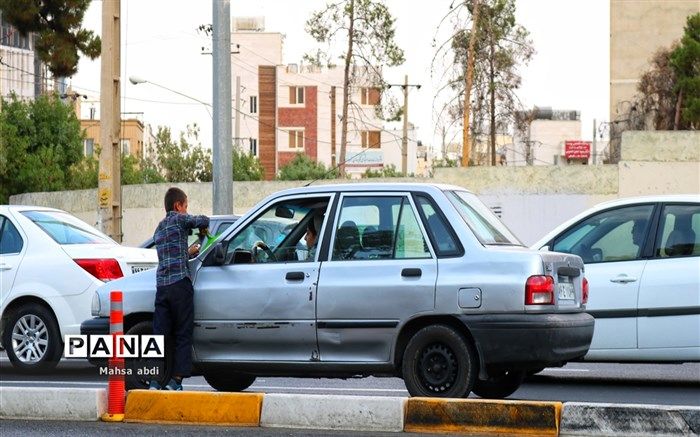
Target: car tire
[
  {"x": 32, "y": 339},
  {"x": 499, "y": 386},
  {"x": 229, "y": 382},
  {"x": 134, "y": 378},
  {"x": 439, "y": 362}
]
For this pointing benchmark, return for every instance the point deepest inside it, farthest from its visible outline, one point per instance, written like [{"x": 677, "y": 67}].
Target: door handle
[
  {"x": 4, "y": 266},
  {"x": 411, "y": 273},
  {"x": 623, "y": 279},
  {"x": 295, "y": 276}
]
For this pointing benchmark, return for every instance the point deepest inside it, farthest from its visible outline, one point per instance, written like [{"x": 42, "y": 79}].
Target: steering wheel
[{"x": 259, "y": 245}]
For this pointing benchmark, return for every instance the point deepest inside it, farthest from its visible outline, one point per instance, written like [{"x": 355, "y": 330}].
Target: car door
[
  {"x": 11, "y": 245},
  {"x": 260, "y": 308},
  {"x": 611, "y": 244},
  {"x": 380, "y": 271},
  {"x": 669, "y": 294}
]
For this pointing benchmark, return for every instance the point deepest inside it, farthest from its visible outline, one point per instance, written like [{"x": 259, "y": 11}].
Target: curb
[
  {"x": 52, "y": 403},
  {"x": 233, "y": 409},
  {"x": 584, "y": 419},
  {"x": 482, "y": 416},
  {"x": 352, "y": 413}
]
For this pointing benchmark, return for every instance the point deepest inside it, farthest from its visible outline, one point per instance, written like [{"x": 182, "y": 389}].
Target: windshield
[
  {"x": 484, "y": 223},
  {"x": 66, "y": 229}
]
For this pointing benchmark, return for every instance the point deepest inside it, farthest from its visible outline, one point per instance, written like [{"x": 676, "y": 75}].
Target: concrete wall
[{"x": 531, "y": 200}]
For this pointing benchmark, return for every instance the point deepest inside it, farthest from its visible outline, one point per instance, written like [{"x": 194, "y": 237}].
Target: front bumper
[
  {"x": 530, "y": 340},
  {"x": 96, "y": 326}
]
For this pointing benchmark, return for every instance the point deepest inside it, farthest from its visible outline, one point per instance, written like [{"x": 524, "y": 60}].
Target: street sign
[{"x": 575, "y": 149}]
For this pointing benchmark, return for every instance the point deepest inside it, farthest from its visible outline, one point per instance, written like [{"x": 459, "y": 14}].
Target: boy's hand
[{"x": 193, "y": 250}]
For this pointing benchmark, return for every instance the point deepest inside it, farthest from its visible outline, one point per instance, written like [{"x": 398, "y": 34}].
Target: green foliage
[
  {"x": 246, "y": 167},
  {"x": 39, "y": 141},
  {"x": 183, "y": 160},
  {"x": 685, "y": 60},
  {"x": 388, "y": 171},
  {"x": 59, "y": 26},
  {"x": 83, "y": 174},
  {"x": 303, "y": 168}
]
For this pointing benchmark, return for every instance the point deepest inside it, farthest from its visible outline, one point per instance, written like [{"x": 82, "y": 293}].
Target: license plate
[
  {"x": 142, "y": 268},
  {"x": 566, "y": 291}
]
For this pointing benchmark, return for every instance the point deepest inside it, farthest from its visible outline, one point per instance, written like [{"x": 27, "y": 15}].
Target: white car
[
  {"x": 51, "y": 263},
  {"x": 642, "y": 261}
]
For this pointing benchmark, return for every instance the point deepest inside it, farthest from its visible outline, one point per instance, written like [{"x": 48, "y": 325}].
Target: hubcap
[
  {"x": 438, "y": 368},
  {"x": 30, "y": 339}
]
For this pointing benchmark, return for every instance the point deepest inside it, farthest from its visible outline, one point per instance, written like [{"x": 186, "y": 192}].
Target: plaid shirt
[{"x": 171, "y": 244}]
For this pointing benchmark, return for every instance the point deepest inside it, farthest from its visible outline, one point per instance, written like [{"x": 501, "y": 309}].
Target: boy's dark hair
[{"x": 172, "y": 196}]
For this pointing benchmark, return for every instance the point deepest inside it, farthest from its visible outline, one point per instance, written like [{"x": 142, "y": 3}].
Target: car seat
[
  {"x": 347, "y": 241},
  {"x": 681, "y": 241}
]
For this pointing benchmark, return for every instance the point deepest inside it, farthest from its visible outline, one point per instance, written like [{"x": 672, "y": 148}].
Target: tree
[
  {"x": 685, "y": 61},
  {"x": 385, "y": 172},
  {"x": 367, "y": 27},
  {"x": 184, "y": 160},
  {"x": 501, "y": 47},
  {"x": 246, "y": 167},
  {"x": 39, "y": 141},
  {"x": 303, "y": 168},
  {"x": 59, "y": 26},
  {"x": 83, "y": 174}
]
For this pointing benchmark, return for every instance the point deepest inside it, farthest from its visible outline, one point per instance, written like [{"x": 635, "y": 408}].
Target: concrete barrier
[
  {"x": 481, "y": 417},
  {"x": 234, "y": 409},
  {"x": 353, "y": 413},
  {"x": 52, "y": 403},
  {"x": 585, "y": 419}
]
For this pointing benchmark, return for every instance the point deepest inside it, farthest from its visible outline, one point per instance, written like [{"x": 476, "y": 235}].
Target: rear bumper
[
  {"x": 530, "y": 340},
  {"x": 96, "y": 326}
]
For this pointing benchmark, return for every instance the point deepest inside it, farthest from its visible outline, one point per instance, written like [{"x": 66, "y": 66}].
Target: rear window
[
  {"x": 66, "y": 229},
  {"x": 482, "y": 221}
]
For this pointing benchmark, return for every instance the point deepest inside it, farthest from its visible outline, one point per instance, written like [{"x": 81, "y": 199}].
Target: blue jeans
[{"x": 174, "y": 317}]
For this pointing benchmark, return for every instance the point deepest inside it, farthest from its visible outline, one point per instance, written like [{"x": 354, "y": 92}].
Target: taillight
[
  {"x": 539, "y": 290},
  {"x": 584, "y": 298},
  {"x": 104, "y": 269}
]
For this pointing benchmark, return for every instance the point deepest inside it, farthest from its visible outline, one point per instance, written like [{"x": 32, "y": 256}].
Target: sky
[{"x": 160, "y": 43}]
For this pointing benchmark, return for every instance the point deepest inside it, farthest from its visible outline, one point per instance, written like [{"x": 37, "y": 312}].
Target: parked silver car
[{"x": 419, "y": 281}]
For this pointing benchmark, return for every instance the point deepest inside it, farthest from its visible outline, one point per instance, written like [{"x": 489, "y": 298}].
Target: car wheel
[
  {"x": 158, "y": 368},
  {"x": 439, "y": 362},
  {"x": 499, "y": 386},
  {"x": 32, "y": 339},
  {"x": 229, "y": 382}
]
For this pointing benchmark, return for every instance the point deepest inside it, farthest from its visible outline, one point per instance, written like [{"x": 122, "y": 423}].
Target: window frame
[
  {"x": 253, "y": 101},
  {"x": 658, "y": 231},
  {"x": 297, "y": 95},
  {"x": 3, "y": 220},
  {"x": 450, "y": 230},
  {"x": 296, "y": 133}
]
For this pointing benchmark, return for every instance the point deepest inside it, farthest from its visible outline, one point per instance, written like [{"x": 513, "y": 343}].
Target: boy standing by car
[{"x": 174, "y": 308}]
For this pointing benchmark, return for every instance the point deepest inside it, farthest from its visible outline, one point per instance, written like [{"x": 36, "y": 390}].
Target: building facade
[
  {"x": 283, "y": 110},
  {"x": 549, "y": 135},
  {"x": 21, "y": 71}
]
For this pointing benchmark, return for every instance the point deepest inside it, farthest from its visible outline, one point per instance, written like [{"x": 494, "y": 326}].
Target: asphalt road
[{"x": 668, "y": 384}]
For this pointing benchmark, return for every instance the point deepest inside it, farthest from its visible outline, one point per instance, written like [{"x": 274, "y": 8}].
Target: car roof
[
  {"x": 665, "y": 198},
  {"x": 20, "y": 208},
  {"x": 371, "y": 186}
]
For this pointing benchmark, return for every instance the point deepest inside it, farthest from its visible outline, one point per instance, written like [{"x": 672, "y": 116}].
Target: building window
[
  {"x": 126, "y": 146},
  {"x": 296, "y": 139},
  {"x": 253, "y": 104},
  {"x": 369, "y": 96},
  {"x": 253, "y": 146},
  {"x": 89, "y": 146},
  {"x": 371, "y": 139},
  {"x": 296, "y": 95}
]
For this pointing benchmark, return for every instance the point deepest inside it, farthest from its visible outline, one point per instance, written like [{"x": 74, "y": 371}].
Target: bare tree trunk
[
  {"x": 346, "y": 91},
  {"x": 468, "y": 87},
  {"x": 677, "y": 118},
  {"x": 492, "y": 107}
]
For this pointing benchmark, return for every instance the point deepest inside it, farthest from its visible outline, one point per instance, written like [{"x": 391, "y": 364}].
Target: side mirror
[
  {"x": 219, "y": 254},
  {"x": 284, "y": 212}
]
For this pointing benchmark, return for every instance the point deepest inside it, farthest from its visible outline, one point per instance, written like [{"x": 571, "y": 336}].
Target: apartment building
[{"x": 21, "y": 71}]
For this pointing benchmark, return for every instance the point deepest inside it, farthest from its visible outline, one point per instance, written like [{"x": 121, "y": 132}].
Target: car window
[
  {"x": 277, "y": 234},
  {"x": 10, "y": 239},
  {"x": 378, "y": 227},
  {"x": 66, "y": 229},
  {"x": 481, "y": 220},
  {"x": 443, "y": 239},
  {"x": 679, "y": 231},
  {"x": 613, "y": 235}
]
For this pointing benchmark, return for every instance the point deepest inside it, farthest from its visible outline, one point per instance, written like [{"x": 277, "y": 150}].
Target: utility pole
[
  {"x": 237, "y": 127},
  {"x": 595, "y": 144},
  {"x": 109, "y": 193},
  {"x": 333, "y": 151},
  {"x": 404, "y": 139},
  {"x": 466, "y": 145},
  {"x": 222, "y": 172}
]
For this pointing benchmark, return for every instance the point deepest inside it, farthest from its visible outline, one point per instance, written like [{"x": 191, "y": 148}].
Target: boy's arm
[{"x": 195, "y": 221}]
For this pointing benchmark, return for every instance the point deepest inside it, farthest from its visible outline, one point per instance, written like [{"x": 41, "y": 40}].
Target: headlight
[{"x": 95, "y": 308}]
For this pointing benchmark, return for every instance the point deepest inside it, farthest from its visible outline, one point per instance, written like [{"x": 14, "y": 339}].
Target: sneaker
[
  {"x": 154, "y": 385},
  {"x": 173, "y": 385}
]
